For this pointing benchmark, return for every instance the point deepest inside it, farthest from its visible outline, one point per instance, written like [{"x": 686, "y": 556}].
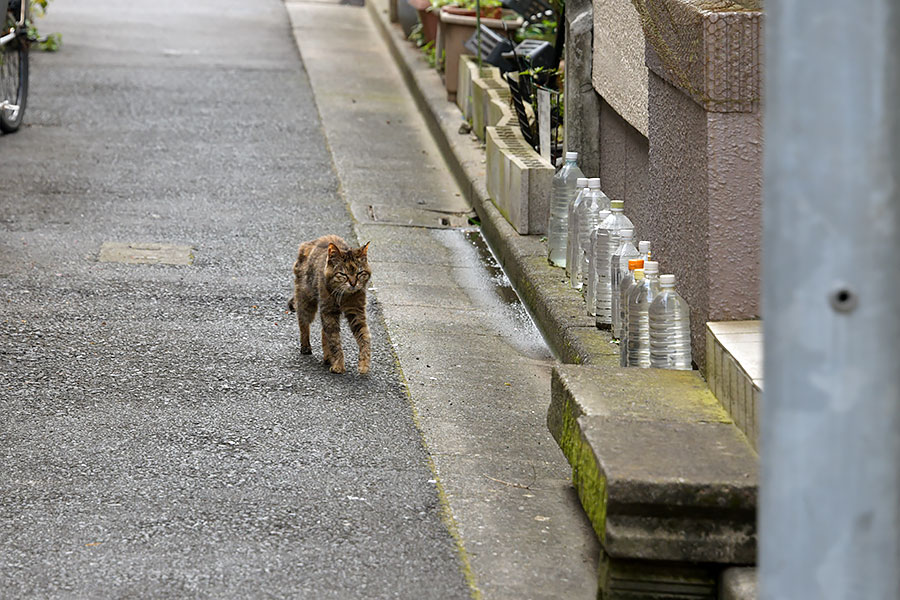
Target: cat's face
[{"x": 348, "y": 271}]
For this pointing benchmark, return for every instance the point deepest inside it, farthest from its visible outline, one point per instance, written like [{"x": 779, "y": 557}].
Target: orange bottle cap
[{"x": 635, "y": 264}]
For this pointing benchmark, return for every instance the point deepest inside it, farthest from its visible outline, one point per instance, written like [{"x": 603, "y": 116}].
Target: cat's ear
[
  {"x": 364, "y": 250},
  {"x": 333, "y": 251}
]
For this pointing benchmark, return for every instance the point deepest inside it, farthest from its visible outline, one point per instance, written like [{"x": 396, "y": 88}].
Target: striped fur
[{"x": 331, "y": 277}]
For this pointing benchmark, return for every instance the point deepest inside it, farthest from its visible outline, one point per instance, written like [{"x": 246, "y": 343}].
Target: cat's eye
[
  {"x": 341, "y": 275},
  {"x": 362, "y": 274}
]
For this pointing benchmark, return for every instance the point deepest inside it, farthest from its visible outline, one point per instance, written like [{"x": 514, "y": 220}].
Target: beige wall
[{"x": 619, "y": 74}]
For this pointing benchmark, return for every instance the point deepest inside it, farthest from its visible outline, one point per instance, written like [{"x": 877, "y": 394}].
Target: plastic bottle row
[{"x": 622, "y": 287}]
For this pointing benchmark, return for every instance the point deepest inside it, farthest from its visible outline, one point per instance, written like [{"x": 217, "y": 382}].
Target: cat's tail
[{"x": 291, "y": 305}]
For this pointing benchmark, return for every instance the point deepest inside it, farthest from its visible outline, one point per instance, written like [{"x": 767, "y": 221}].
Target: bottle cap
[
  {"x": 594, "y": 183},
  {"x": 626, "y": 234},
  {"x": 571, "y": 155},
  {"x": 667, "y": 280},
  {"x": 643, "y": 246},
  {"x": 602, "y": 215},
  {"x": 638, "y": 274},
  {"x": 616, "y": 205},
  {"x": 635, "y": 264},
  {"x": 651, "y": 266},
  {"x": 581, "y": 182}
]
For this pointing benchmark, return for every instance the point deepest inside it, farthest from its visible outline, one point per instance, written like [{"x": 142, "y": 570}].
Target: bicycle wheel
[{"x": 13, "y": 83}]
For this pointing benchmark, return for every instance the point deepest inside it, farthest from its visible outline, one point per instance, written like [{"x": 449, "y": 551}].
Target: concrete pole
[{"x": 830, "y": 488}]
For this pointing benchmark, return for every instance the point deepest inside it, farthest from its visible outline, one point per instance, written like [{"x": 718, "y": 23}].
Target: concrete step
[
  {"x": 667, "y": 480},
  {"x": 734, "y": 354}
]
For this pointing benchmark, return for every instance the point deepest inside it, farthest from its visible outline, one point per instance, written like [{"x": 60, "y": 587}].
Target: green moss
[{"x": 586, "y": 477}]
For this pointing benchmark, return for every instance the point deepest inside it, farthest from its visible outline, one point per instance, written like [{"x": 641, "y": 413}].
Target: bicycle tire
[{"x": 13, "y": 83}]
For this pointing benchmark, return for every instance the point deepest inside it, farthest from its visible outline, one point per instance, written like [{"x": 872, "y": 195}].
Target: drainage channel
[{"x": 490, "y": 289}]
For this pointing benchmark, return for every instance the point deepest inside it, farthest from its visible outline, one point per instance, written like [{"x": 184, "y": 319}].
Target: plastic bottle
[
  {"x": 627, "y": 283},
  {"x": 638, "y": 317},
  {"x": 670, "y": 328},
  {"x": 644, "y": 249},
  {"x": 607, "y": 243},
  {"x": 572, "y": 236},
  {"x": 637, "y": 278},
  {"x": 585, "y": 221},
  {"x": 618, "y": 269},
  {"x": 563, "y": 193},
  {"x": 590, "y": 295}
]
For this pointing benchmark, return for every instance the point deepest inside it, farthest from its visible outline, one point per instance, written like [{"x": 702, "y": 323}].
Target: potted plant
[
  {"x": 427, "y": 17},
  {"x": 456, "y": 28},
  {"x": 490, "y": 9}
]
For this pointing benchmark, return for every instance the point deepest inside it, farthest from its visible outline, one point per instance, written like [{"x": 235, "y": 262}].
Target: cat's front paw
[
  {"x": 305, "y": 349},
  {"x": 363, "y": 368},
  {"x": 337, "y": 368}
]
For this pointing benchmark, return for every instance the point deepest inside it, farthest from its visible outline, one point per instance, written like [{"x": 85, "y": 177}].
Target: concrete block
[
  {"x": 518, "y": 180},
  {"x": 731, "y": 365},
  {"x": 662, "y": 472},
  {"x": 499, "y": 112},
  {"x": 711, "y": 54},
  {"x": 468, "y": 68},
  {"x": 489, "y": 80}
]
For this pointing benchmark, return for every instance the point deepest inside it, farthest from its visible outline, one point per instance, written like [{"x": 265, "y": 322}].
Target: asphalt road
[{"x": 160, "y": 433}]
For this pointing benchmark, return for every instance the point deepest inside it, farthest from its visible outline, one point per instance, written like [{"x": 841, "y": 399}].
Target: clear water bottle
[
  {"x": 563, "y": 193},
  {"x": 607, "y": 244},
  {"x": 585, "y": 222},
  {"x": 644, "y": 249},
  {"x": 624, "y": 288},
  {"x": 590, "y": 295},
  {"x": 572, "y": 237},
  {"x": 635, "y": 274},
  {"x": 670, "y": 328},
  {"x": 618, "y": 269},
  {"x": 639, "y": 318}
]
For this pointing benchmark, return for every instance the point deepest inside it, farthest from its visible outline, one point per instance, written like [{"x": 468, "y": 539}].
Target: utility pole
[{"x": 830, "y": 488}]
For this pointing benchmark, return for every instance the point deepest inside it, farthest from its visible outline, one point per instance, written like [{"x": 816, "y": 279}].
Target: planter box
[
  {"x": 489, "y": 81},
  {"x": 453, "y": 31},
  {"x": 518, "y": 180}
]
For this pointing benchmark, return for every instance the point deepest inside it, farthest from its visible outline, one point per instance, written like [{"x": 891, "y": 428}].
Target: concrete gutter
[{"x": 556, "y": 308}]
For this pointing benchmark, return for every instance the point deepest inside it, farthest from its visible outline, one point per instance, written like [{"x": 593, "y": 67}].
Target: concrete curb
[{"x": 557, "y": 309}]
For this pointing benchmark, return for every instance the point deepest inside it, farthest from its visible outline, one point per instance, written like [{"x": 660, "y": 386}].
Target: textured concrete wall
[
  {"x": 734, "y": 172},
  {"x": 582, "y": 112},
  {"x": 624, "y": 165},
  {"x": 677, "y": 221},
  {"x": 704, "y": 208},
  {"x": 619, "y": 73}
]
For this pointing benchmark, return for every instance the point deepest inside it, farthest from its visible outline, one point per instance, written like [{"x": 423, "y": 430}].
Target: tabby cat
[{"x": 331, "y": 277}]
